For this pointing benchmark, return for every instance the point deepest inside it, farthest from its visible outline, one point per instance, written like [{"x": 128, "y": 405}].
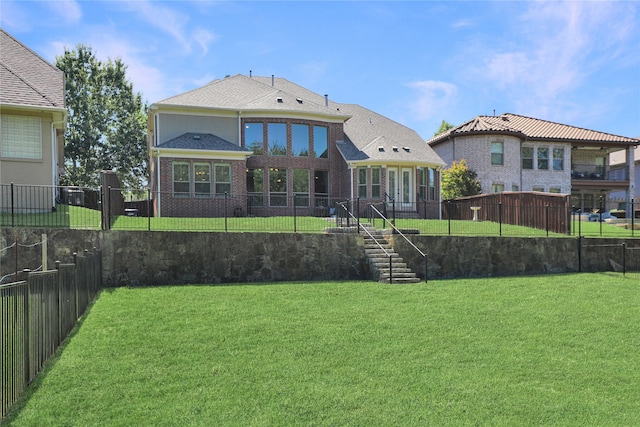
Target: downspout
[
  {"x": 239, "y": 128},
  {"x": 351, "y": 180},
  {"x": 54, "y": 158},
  {"x": 158, "y": 181}
]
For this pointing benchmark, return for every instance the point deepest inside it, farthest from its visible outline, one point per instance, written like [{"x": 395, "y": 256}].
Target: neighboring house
[
  {"x": 517, "y": 153},
  {"x": 33, "y": 114},
  {"x": 264, "y": 140},
  {"x": 620, "y": 165}
]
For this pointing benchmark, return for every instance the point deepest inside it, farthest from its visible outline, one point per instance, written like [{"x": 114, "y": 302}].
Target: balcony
[{"x": 599, "y": 173}]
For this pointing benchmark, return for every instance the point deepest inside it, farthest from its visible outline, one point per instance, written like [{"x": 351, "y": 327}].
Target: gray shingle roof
[
  {"x": 201, "y": 141},
  {"x": 532, "y": 129},
  {"x": 369, "y": 137},
  {"x": 27, "y": 79}
]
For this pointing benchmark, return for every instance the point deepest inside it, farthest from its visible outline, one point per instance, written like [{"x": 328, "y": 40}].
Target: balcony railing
[{"x": 599, "y": 172}]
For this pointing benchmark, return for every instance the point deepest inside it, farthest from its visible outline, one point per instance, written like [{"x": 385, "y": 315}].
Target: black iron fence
[
  {"x": 38, "y": 312},
  {"x": 504, "y": 214}
]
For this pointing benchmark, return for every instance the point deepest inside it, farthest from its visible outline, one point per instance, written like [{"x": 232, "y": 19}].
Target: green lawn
[{"x": 547, "y": 350}]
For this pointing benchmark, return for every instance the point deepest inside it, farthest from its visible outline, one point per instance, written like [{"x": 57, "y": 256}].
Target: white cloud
[
  {"x": 554, "y": 50},
  {"x": 69, "y": 11},
  {"x": 174, "y": 23},
  {"x": 432, "y": 98}
]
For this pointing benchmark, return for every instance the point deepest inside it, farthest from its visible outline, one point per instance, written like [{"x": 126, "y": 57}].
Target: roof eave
[
  {"x": 199, "y": 154},
  {"x": 54, "y": 110}
]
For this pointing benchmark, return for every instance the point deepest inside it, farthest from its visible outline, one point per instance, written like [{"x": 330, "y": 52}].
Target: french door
[{"x": 400, "y": 186}]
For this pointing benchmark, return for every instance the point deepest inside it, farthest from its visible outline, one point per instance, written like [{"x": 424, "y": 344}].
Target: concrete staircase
[{"x": 379, "y": 261}]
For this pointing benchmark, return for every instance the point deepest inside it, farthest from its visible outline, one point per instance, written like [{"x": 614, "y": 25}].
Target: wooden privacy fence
[
  {"x": 545, "y": 211},
  {"x": 37, "y": 314}
]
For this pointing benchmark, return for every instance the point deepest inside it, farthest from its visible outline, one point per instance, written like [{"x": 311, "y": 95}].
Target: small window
[
  {"x": 222, "y": 177},
  {"x": 539, "y": 189},
  {"x": 554, "y": 190},
  {"x": 543, "y": 158},
  {"x": 181, "y": 179},
  {"x": 432, "y": 184},
  {"x": 515, "y": 187},
  {"x": 422, "y": 183},
  {"x": 497, "y": 188},
  {"x": 527, "y": 157},
  {"x": 497, "y": 153},
  {"x": 558, "y": 159}
]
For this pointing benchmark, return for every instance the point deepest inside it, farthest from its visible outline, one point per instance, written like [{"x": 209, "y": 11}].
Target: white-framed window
[
  {"x": 376, "y": 183},
  {"x": 515, "y": 187},
  {"x": 527, "y": 157},
  {"x": 558, "y": 159},
  {"x": 538, "y": 189},
  {"x": 21, "y": 137},
  {"x": 181, "y": 179},
  {"x": 222, "y": 178},
  {"x": 543, "y": 158},
  {"x": 202, "y": 179},
  {"x": 362, "y": 183},
  {"x": 497, "y": 153}
]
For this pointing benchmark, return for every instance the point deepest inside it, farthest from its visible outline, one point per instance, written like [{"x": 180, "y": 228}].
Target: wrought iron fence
[
  {"x": 38, "y": 312},
  {"x": 504, "y": 214}
]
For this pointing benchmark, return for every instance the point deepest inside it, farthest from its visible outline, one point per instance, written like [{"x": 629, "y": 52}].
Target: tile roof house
[
  {"x": 620, "y": 162},
  {"x": 511, "y": 152},
  {"x": 271, "y": 144},
  {"x": 33, "y": 114}
]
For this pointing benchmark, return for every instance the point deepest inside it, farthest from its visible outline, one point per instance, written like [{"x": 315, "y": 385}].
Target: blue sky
[{"x": 416, "y": 62}]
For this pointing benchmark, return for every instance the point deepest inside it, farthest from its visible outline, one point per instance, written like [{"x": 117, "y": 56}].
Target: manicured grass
[
  {"x": 549, "y": 350},
  {"x": 65, "y": 216}
]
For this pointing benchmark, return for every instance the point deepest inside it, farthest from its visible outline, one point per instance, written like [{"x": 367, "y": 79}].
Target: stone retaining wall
[{"x": 159, "y": 258}]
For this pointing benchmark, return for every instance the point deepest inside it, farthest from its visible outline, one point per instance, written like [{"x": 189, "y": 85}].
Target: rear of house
[{"x": 264, "y": 146}]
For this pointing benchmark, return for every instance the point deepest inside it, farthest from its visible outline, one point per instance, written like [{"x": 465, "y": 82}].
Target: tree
[
  {"x": 459, "y": 181},
  {"x": 444, "y": 126},
  {"x": 106, "y": 129}
]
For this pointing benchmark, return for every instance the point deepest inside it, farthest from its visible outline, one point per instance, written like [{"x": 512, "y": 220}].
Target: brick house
[
  {"x": 511, "y": 152},
  {"x": 270, "y": 144},
  {"x": 33, "y": 117}
]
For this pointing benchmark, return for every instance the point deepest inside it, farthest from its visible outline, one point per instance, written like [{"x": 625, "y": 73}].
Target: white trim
[{"x": 200, "y": 154}]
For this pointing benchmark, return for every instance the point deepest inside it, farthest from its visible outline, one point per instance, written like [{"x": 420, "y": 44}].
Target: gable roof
[
  {"x": 26, "y": 79},
  {"x": 531, "y": 129},
  {"x": 369, "y": 137}
]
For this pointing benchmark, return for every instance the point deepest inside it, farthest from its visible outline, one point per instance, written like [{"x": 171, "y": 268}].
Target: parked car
[{"x": 595, "y": 217}]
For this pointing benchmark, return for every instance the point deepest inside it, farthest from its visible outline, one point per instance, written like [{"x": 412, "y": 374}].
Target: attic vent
[
  {"x": 505, "y": 118},
  {"x": 406, "y": 149},
  {"x": 299, "y": 100},
  {"x": 280, "y": 101},
  {"x": 196, "y": 136},
  {"x": 395, "y": 148},
  {"x": 380, "y": 148}
]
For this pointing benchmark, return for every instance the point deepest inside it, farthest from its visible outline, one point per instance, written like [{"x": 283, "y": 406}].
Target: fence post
[
  {"x": 358, "y": 214},
  {"x": 295, "y": 219},
  {"x": 449, "y": 216},
  {"x": 148, "y": 209},
  {"x": 75, "y": 284},
  {"x": 546, "y": 219},
  {"x": 60, "y": 332},
  {"x": 624, "y": 258},
  {"x": 579, "y": 254},
  {"x": 600, "y": 216},
  {"x": 108, "y": 208},
  {"x": 225, "y": 211},
  {"x": 27, "y": 300},
  {"x": 390, "y": 270},
  {"x": 12, "y": 212},
  {"x": 633, "y": 215},
  {"x": 426, "y": 269},
  {"x": 500, "y": 216}
]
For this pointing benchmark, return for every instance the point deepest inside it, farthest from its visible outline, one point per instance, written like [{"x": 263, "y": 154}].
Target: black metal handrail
[{"x": 397, "y": 231}]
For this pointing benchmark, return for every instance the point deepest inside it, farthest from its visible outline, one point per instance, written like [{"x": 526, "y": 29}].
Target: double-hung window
[
  {"x": 527, "y": 157},
  {"x": 558, "y": 159},
  {"x": 543, "y": 158},
  {"x": 376, "y": 183},
  {"x": 497, "y": 153},
  {"x": 222, "y": 178},
  {"x": 362, "y": 183},
  {"x": 202, "y": 179},
  {"x": 181, "y": 179}
]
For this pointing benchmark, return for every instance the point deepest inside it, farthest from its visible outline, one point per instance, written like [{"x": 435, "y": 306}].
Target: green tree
[
  {"x": 459, "y": 181},
  {"x": 106, "y": 129},
  {"x": 444, "y": 126}
]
